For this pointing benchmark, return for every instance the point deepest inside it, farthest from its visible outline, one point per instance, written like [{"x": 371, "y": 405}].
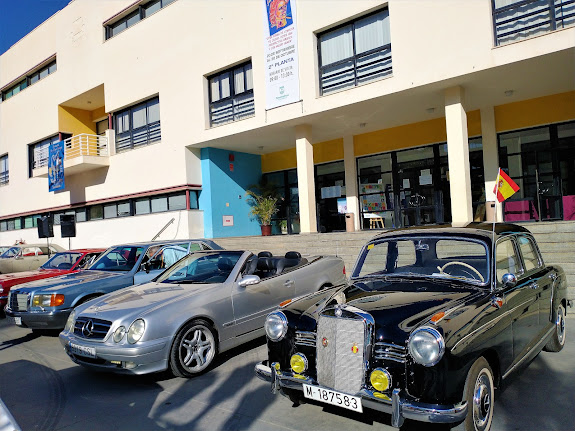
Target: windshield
[
  {"x": 62, "y": 261},
  {"x": 213, "y": 267},
  {"x": 121, "y": 258},
  {"x": 449, "y": 258},
  {"x": 11, "y": 252}
]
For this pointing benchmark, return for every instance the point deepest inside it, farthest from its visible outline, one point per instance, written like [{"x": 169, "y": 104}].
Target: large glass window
[
  {"x": 355, "y": 53},
  {"x": 4, "y": 173},
  {"x": 29, "y": 79},
  {"x": 138, "y": 125},
  {"x": 135, "y": 15},
  {"x": 231, "y": 95},
  {"x": 38, "y": 153},
  {"x": 515, "y": 20}
]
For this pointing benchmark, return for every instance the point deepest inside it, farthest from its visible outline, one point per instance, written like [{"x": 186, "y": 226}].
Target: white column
[
  {"x": 351, "y": 179},
  {"x": 305, "y": 179},
  {"x": 490, "y": 155},
  {"x": 458, "y": 156},
  {"x": 111, "y": 137}
]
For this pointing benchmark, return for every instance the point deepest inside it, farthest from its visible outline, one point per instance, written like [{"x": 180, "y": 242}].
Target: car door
[
  {"x": 254, "y": 302},
  {"x": 540, "y": 280},
  {"x": 520, "y": 300}
]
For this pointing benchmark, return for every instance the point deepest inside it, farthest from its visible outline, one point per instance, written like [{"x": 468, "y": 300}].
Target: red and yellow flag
[{"x": 505, "y": 187}]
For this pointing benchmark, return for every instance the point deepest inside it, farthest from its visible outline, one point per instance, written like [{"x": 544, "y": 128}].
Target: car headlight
[
  {"x": 136, "y": 331},
  {"x": 119, "y": 334},
  {"x": 426, "y": 346},
  {"x": 53, "y": 300},
  {"x": 276, "y": 326},
  {"x": 69, "y": 327}
]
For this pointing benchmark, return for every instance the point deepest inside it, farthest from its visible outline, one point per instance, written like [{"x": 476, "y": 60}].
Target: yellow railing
[{"x": 85, "y": 145}]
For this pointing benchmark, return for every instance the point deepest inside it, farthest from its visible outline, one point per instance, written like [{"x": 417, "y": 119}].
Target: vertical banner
[
  {"x": 281, "y": 57},
  {"x": 56, "y": 167}
]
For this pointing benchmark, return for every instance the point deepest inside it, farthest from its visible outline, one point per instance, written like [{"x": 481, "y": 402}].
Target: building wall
[{"x": 224, "y": 192}]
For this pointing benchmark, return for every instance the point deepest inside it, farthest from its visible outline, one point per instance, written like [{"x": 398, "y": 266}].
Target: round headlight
[
  {"x": 136, "y": 331},
  {"x": 276, "y": 326},
  {"x": 380, "y": 379},
  {"x": 119, "y": 334},
  {"x": 298, "y": 363},
  {"x": 69, "y": 327},
  {"x": 426, "y": 346}
]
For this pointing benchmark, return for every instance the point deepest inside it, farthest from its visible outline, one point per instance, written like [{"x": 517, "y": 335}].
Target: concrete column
[
  {"x": 305, "y": 179},
  {"x": 351, "y": 179},
  {"x": 490, "y": 155},
  {"x": 458, "y": 156},
  {"x": 111, "y": 137}
]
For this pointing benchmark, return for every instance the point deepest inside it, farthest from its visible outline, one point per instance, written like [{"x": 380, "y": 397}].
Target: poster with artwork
[{"x": 56, "y": 167}]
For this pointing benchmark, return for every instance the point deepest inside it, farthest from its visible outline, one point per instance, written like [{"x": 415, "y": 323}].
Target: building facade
[{"x": 396, "y": 113}]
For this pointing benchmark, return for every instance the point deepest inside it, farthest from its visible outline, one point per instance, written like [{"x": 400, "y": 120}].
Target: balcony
[{"x": 82, "y": 153}]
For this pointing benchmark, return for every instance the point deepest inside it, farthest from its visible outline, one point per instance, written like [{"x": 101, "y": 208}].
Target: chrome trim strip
[{"x": 526, "y": 355}]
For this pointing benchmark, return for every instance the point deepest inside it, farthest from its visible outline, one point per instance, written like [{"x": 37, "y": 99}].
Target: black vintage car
[{"x": 433, "y": 320}]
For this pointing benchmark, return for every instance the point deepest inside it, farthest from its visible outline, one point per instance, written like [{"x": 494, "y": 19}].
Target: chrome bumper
[{"x": 398, "y": 407}]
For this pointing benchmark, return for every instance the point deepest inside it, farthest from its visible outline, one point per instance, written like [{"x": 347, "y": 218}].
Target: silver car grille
[
  {"x": 93, "y": 329},
  {"x": 339, "y": 364},
  {"x": 19, "y": 301},
  {"x": 390, "y": 352},
  {"x": 305, "y": 338}
]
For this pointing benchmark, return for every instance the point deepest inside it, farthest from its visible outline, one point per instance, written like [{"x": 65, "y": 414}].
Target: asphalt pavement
[{"x": 45, "y": 391}]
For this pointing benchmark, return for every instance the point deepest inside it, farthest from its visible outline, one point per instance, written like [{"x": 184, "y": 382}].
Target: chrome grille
[
  {"x": 96, "y": 330},
  {"x": 338, "y": 367},
  {"x": 18, "y": 301},
  {"x": 391, "y": 352},
  {"x": 305, "y": 338}
]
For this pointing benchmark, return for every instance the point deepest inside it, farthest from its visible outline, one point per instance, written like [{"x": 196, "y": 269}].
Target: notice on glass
[{"x": 281, "y": 54}]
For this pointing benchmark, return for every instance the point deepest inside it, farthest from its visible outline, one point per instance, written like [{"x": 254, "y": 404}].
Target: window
[
  {"x": 38, "y": 153},
  {"x": 29, "y": 79},
  {"x": 515, "y": 20},
  {"x": 506, "y": 259},
  {"x": 4, "y": 173},
  {"x": 355, "y": 53},
  {"x": 139, "y": 13},
  {"x": 101, "y": 127},
  {"x": 138, "y": 125},
  {"x": 529, "y": 253},
  {"x": 231, "y": 95}
]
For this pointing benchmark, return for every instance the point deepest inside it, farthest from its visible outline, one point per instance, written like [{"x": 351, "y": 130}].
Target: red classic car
[{"x": 61, "y": 263}]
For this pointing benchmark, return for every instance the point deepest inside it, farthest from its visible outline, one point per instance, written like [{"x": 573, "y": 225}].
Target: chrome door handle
[
  {"x": 534, "y": 286},
  {"x": 289, "y": 283}
]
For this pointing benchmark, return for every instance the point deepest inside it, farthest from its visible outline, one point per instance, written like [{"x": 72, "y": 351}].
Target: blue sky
[{"x": 20, "y": 17}]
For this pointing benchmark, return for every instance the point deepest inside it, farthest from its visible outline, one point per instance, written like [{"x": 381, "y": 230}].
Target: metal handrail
[{"x": 83, "y": 144}]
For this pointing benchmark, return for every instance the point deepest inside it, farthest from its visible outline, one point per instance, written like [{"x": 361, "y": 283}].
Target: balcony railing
[
  {"x": 76, "y": 146},
  {"x": 4, "y": 178},
  {"x": 515, "y": 20}
]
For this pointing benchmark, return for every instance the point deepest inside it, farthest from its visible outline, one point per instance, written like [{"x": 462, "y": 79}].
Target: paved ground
[{"x": 45, "y": 391}]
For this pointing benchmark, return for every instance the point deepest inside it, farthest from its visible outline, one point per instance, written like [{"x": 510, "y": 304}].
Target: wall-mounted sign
[
  {"x": 228, "y": 220},
  {"x": 281, "y": 56},
  {"x": 56, "y": 167}
]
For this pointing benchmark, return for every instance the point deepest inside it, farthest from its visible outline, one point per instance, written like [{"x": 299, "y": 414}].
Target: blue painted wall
[{"x": 221, "y": 186}]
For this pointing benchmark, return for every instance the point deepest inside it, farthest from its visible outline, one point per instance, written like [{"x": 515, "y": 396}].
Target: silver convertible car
[{"x": 206, "y": 303}]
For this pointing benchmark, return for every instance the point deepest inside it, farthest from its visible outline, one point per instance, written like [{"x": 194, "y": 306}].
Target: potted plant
[{"x": 263, "y": 209}]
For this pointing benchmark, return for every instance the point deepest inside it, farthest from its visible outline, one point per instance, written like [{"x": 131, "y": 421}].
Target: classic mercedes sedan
[
  {"x": 434, "y": 319},
  {"x": 61, "y": 263},
  {"x": 26, "y": 257},
  {"x": 207, "y": 303},
  {"x": 46, "y": 304}
]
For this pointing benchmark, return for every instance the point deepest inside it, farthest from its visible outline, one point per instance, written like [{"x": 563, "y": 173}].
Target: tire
[
  {"x": 557, "y": 341},
  {"x": 194, "y": 349},
  {"x": 479, "y": 393}
]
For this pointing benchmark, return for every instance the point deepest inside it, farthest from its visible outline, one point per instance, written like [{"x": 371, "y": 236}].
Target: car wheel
[
  {"x": 557, "y": 341},
  {"x": 193, "y": 350},
  {"x": 479, "y": 393}
]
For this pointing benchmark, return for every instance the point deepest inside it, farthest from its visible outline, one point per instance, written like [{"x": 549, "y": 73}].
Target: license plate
[
  {"x": 18, "y": 321},
  {"x": 90, "y": 352},
  {"x": 333, "y": 397}
]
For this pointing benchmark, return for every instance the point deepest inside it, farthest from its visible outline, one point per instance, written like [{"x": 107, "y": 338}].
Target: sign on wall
[
  {"x": 56, "y": 167},
  {"x": 281, "y": 58}
]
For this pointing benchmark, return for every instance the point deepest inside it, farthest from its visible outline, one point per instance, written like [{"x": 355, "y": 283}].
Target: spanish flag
[{"x": 505, "y": 187}]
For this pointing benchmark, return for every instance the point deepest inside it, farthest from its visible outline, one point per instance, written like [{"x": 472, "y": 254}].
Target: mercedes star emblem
[{"x": 88, "y": 328}]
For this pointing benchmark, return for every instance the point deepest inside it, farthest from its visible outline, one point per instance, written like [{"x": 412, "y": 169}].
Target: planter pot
[{"x": 266, "y": 229}]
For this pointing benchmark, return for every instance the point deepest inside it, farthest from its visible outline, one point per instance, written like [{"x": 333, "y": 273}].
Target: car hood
[
  {"x": 73, "y": 279},
  {"x": 139, "y": 300},
  {"x": 40, "y": 273},
  {"x": 397, "y": 307}
]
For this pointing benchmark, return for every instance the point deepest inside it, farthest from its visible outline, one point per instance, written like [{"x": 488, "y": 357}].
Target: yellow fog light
[
  {"x": 298, "y": 363},
  {"x": 380, "y": 379}
]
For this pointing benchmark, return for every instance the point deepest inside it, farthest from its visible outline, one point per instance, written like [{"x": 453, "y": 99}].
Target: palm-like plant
[{"x": 263, "y": 207}]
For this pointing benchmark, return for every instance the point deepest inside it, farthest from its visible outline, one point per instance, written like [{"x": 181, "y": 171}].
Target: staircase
[{"x": 556, "y": 241}]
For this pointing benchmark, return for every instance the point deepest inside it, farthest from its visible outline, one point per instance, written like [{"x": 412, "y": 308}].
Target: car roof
[
  {"x": 477, "y": 229},
  {"x": 84, "y": 250},
  {"x": 170, "y": 241}
]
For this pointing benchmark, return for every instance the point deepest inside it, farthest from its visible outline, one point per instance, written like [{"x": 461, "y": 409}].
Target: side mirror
[
  {"x": 145, "y": 267},
  {"x": 249, "y": 280},
  {"x": 509, "y": 280}
]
